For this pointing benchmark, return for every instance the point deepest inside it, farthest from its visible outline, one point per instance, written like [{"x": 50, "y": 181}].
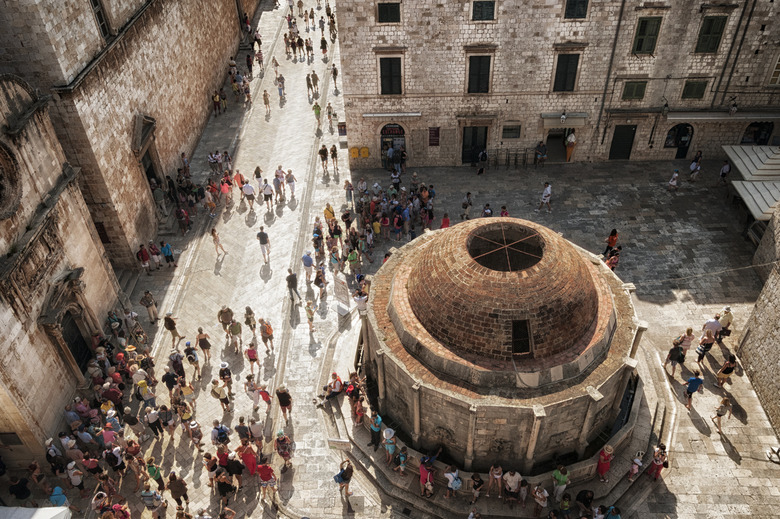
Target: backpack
[
  {"x": 267, "y": 329},
  {"x": 456, "y": 483},
  {"x": 138, "y": 255},
  {"x": 111, "y": 459},
  {"x": 222, "y": 434},
  {"x": 350, "y": 390},
  {"x": 215, "y": 393}
]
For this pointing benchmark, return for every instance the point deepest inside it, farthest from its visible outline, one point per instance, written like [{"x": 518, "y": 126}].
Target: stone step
[{"x": 127, "y": 279}]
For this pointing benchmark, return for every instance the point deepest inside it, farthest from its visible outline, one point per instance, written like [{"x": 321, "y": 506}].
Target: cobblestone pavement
[{"x": 683, "y": 250}]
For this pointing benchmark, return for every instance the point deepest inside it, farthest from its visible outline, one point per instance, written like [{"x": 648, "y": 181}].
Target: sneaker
[{"x": 536, "y": 210}]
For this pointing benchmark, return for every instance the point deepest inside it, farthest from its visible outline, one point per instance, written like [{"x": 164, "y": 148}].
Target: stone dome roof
[{"x": 502, "y": 288}]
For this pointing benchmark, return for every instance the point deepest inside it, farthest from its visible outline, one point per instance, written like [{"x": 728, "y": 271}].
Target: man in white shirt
[
  {"x": 712, "y": 324},
  {"x": 249, "y": 194},
  {"x": 268, "y": 194},
  {"x": 546, "y": 196}
]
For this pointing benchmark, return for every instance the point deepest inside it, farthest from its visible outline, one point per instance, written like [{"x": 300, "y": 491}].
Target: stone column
[
  {"x": 471, "y": 437},
  {"x": 539, "y": 413},
  {"x": 380, "y": 378},
  {"x": 587, "y": 425},
  {"x": 640, "y": 330},
  {"x": 416, "y": 409}
]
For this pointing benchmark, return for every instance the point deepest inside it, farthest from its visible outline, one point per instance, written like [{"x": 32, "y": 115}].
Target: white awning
[
  {"x": 722, "y": 115},
  {"x": 49, "y": 512},
  {"x": 761, "y": 198},
  {"x": 755, "y": 162}
]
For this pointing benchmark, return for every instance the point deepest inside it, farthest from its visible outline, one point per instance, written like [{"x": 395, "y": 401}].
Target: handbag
[
  {"x": 338, "y": 478},
  {"x": 725, "y": 332}
]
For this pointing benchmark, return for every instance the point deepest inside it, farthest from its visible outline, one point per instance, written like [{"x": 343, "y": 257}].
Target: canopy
[
  {"x": 50, "y": 512},
  {"x": 760, "y": 169}
]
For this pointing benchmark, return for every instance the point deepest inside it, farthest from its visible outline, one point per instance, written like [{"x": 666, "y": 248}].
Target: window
[
  {"x": 483, "y": 11},
  {"x": 510, "y": 132},
  {"x": 521, "y": 338},
  {"x": 576, "y": 9},
  {"x": 100, "y": 18},
  {"x": 433, "y": 136},
  {"x": 774, "y": 79},
  {"x": 694, "y": 89},
  {"x": 9, "y": 439},
  {"x": 390, "y": 72},
  {"x": 646, "y": 35},
  {"x": 634, "y": 90},
  {"x": 479, "y": 74},
  {"x": 710, "y": 33},
  {"x": 389, "y": 13},
  {"x": 566, "y": 73}
]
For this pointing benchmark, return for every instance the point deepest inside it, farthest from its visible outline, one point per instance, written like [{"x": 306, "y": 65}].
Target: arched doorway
[
  {"x": 758, "y": 133},
  {"x": 392, "y": 136},
  {"x": 680, "y": 137},
  {"x": 77, "y": 345}
]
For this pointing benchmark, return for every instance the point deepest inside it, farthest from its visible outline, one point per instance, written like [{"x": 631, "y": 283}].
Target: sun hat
[
  {"x": 389, "y": 433},
  {"x": 608, "y": 449},
  {"x": 168, "y": 314},
  {"x": 223, "y": 365}
]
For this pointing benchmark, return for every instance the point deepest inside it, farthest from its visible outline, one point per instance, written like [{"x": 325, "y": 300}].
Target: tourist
[
  {"x": 285, "y": 402},
  {"x": 235, "y": 468},
  {"x": 247, "y": 453},
  {"x": 674, "y": 182},
  {"x": 605, "y": 459},
  {"x": 674, "y": 356},
  {"x": 144, "y": 257},
  {"x": 266, "y": 333},
  {"x": 695, "y": 383},
  {"x": 265, "y": 242},
  {"x": 150, "y": 304},
  {"x": 283, "y": 446},
  {"x": 178, "y": 488},
  {"x": 221, "y": 394},
  {"x": 225, "y": 317},
  {"x": 389, "y": 444},
  {"x": 170, "y": 324},
  {"x": 584, "y": 502},
  {"x": 705, "y": 345},
  {"x": 659, "y": 462},
  {"x": 635, "y": 465},
  {"x": 726, "y": 318},
  {"x": 476, "y": 486},
  {"x": 204, "y": 344},
  {"x": 375, "y": 428},
  {"x": 224, "y": 486},
  {"x": 511, "y": 483},
  {"x": 495, "y": 479},
  {"x": 540, "y": 497},
  {"x": 714, "y": 325},
  {"x": 726, "y": 370},
  {"x": 611, "y": 241},
  {"x": 720, "y": 411},
  {"x": 236, "y": 335},
  {"x": 268, "y": 194},
  {"x": 267, "y": 478},
  {"x": 210, "y": 462},
  {"x": 345, "y": 475},
  {"x": 310, "y": 309},
  {"x": 155, "y": 473},
  {"x": 546, "y": 196},
  {"x": 427, "y": 473},
  {"x": 560, "y": 478},
  {"x": 541, "y": 153},
  {"x": 217, "y": 242},
  {"x": 453, "y": 480}
]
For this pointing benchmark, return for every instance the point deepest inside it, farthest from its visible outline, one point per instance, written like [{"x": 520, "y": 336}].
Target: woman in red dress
[{"x": 605, "y": 459}]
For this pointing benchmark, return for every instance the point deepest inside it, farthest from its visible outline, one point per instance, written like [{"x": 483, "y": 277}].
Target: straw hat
[
  {"x": 389, "y": 433},
  {"x": 130, "y": 348},
  {"x": 608, "y": 449}
]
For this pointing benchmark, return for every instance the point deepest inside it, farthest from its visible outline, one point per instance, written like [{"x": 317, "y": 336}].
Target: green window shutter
[
  {"x": 634, "y": 90},
  {"x": 647, "y": 30},
  {"x": 694, "y": 89},
  {"x": 566, "y": 72},
  {"x": 390, "y": 74},
  {"x": 710, "y": 34},
  {"x": 479, "y": 74},
  {"x": 576, "y": 9},
  {"x": 483, "y": 10}
]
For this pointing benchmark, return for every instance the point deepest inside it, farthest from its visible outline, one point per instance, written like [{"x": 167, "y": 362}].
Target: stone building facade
[
  {"x": 636, "y": 80},
  {"x": 758, "y": 347},
  {"x": 56, "y": 282},
  {"x": 131, "y": 81},
  {"x": 498, "y": 339}
]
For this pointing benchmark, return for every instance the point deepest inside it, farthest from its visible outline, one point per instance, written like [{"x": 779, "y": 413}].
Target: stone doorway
[
  {"x": 680, "y": 137},
  {"x": 73, "y": 337},
  {"x": 622, "y": 142},
  {"x": 556, "y": 144},
  {"x": 474, "y": 142},
  {"x": 758, "y": 133},
  {"x": 392, "y": 136}
]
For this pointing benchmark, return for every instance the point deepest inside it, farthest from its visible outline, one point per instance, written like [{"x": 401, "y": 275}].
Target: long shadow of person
[
  {"x": 218, "y": 265},
  {"x": 732, "y": 451}
]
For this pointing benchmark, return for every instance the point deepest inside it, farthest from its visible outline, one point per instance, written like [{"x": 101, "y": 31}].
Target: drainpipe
[
  {"x": 611, "y": 62},
  {"x": 731, "y": 48}
]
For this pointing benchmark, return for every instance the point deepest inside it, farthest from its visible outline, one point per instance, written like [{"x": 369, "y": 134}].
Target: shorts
[
  {"x": 225, "y": 401},
  {"x": 309, "y": 270},
  {"x": 265, "y": 249},
  {"x": 250, "y": 197},
  {"x": 267, "y": 198},
  {"x": 270, "y": 483},
  {"x": 169, "y": 259},
  {"x": 266, "y": 338},
  {"x": 689, "y": 394},
  {"x": 475, "y": 493},
  {"x": 157, "y": 258},
  {"x": 145, "y": 264}
]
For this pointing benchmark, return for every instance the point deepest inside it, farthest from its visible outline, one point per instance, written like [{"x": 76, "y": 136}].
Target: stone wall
[
  {"x": 40, "y": 243},
  {"x": 434, "y": 41},
  {"x": 758, "y": 348},
  {"x": 163, "y": 66}
]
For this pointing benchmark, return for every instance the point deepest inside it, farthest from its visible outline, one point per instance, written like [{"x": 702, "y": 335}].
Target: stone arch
[{"x": 757, "y": 133}]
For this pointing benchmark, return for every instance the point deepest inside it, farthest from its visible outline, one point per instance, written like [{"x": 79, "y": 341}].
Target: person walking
[
  {"x": 723, "y": 409},
  {"x": 560, "y": 478},
  {"x": 290, "y": 179},
  {"x": 345, "y": 475},
  {"x": 150, "y": 304},
  {"x": 144, "y": 258},
  {"x": 265, "y": 244},
  {"x": 317, "y": 111},
  {"x": 292, "y": 286},
  {"x": 726, "y": 370},
  {"x": 546, "y": 196},
  {"x": 315, "y": 82},
  {"x": 605, "y": 460},
  {"x": 375, "y": 427},
  {"x": 169, "y": 322},
  {"x": 571, "y": 143},
  {"x": 283, "y": 446},
  {"x": 285, "y": 402},
  {"x": 694, "y": 384},
  {"x": 217, "y": 242},
  {"x": 466, "y": 206},
  {"x": 323, "y": 153},
  {"x": 611, "y": 241},
  {"x": 659, "y": 462},
  {"x": 167, "y": 251},
  {"x": 248, "y": 191}
]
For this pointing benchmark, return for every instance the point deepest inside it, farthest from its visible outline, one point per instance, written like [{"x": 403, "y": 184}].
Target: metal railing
[{"x": 510, "y": 158}]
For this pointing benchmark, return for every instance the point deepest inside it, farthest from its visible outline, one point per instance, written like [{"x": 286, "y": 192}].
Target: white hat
[
  {"x": 727, "y": 309},
  {"x": 389, "y": 433},
  {"x": 232, "y": 456},
  {"x": 48, "y": 442},
  {"x": 168, "y": 314},
  {"x": 223, "y": 365},
  {"x": 308, "y": 253},
  {"x": 72, "y": 464},
  {"x": 111, "y": 413},
  {"x": 637, "y": 461}
]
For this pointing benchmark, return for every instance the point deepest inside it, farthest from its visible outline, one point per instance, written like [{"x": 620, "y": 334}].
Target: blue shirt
[
  {"x": 166, "y": 250},
  {"x": 694, "y": 383},
  {"x": 58, "y": 498},
  {"x": 378, "y": 425},
  {"x": 307, "y": 261}
]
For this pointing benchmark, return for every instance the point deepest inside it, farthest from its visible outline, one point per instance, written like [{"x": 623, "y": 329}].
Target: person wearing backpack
[
  {"x": 220, "y": 434},
  {"x": 266, "y": 333},
  {"x": 153, "y": 501},
  {"x": 675, "y": 355},
  {"x": 453, "y": 481}
]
